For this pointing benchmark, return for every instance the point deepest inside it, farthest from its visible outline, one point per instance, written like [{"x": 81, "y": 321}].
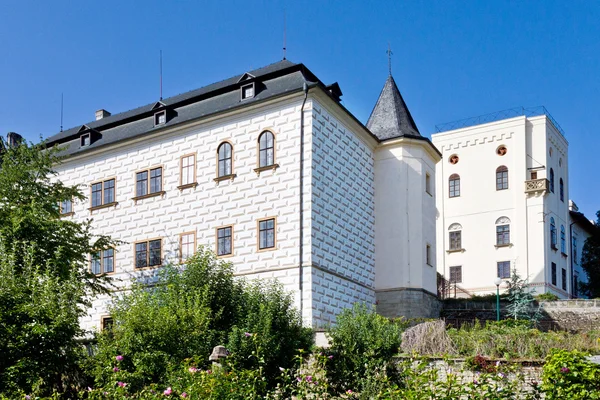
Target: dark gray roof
[
  {"x": 390, "y": 117},
  {"x": 275, "y": 79}
]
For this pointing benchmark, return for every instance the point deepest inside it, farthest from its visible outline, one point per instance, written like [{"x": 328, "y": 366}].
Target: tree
[
  {"x": 590, "y": 262},
  {"x": 44, "y": 275},
  {"x": 520, "y": 299}
]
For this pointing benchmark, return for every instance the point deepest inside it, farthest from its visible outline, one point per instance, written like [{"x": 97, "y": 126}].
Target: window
[
  {"x": 148, "y": 253},
  {"x": 574, "y": 250},
  {"x": 501, "y": 150},
  {"x": 454, "y": 185},
  {"x": 266, "y": 234},
  {"x": 160, "y": 118},
  {"x": 504, "y": 269},
  {"x": 224, "y": 241},
  {"x": 103, "y": 193},
  {"x": 456, "y": 274},
  {"x": 551, "y": 180},
  {"x": 576, "y": 284},
  {"x": 552, "y": 233},
  {"x": 563, "y": 240},
  {"x": 502, "y": 231},
  {"x": 247, "y": 91},
  {"x": 103, "y": 262},
  {"x": 428, "y": 183},
  {"x": 533, "y": 175},
  {"x": 563, "y": 277},
  {"x": 453, "y": 159},
  {"x": 106, "y": 323},
  {"x": 145, "y": 186},
  {"x": 188, "y": 171},
  {"x": 553, "y": 271},
  {"x": 501, "y": 178},
  {"x": 266, "y": 149},
  {"x": 428, "y": 255},
  {"x": 455, "y": 237},
  {"x": 225, "y": 153},
  {"x": 561, "y": 190},
  {"x": 66, "y": 207},
  {"x": 187, "y": 245},
  {"x": 85, "y": 140}
]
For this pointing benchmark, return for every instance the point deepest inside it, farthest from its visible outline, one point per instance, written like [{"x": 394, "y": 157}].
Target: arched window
[
  {"x": 563, "y": 240},
  {"x": 455, "y": 237},
  {"x": 551, "y": 180},
  {"x": 454, "y": 185},
  {"x": 561, "y": 189},
  {"x": 552, "y": 233},
  {"x": 502, "y": 231},
  {"x": 501, "y": 178},
  {"x": 225, "y": 154},
  {"x": 266, "y": 149}
]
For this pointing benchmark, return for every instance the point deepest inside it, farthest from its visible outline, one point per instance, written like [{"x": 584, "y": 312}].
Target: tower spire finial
[{"x": 389, "y": 53}]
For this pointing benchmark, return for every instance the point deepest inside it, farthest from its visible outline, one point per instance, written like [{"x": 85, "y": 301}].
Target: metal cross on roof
[{"x": 389, "y": 53}]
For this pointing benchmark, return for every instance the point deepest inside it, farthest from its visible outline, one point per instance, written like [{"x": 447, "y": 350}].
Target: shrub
[
  {"x": 188, "y": 312},
  {"x": 427, "y": 338},
  {"x": 546, "y": 297},
  {"x": 568, "y": 375},
  {"x": 360, "y": 340}
]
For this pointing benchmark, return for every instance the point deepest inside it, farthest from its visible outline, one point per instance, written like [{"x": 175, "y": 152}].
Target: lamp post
[{"x": 497, "y": 282}]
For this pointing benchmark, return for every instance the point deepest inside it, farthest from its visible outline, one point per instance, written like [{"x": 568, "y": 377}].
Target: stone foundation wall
[{"x": 407, "y": 303}]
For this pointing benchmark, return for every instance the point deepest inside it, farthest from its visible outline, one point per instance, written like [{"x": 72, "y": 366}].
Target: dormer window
[
  {"x": 160, "y": 118},
  {"x": 85, "y": 140},
  {"x": 247, "y": 91}
]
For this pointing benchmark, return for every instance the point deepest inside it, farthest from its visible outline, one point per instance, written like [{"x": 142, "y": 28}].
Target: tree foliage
[
  {"x": 520, "y": 299},
  {"x": 590, "y": 262},
  {"x": 43, "y": 273},
  {"x": 190, "y": 310}
]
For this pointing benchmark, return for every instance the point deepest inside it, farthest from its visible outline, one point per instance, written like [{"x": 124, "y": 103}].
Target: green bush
[
  {"x": 546, "y": 297},
  {"x": 188, "y": 312},
  {"x": 568, "y": 375},
  {"x": 360, "y": 340}
]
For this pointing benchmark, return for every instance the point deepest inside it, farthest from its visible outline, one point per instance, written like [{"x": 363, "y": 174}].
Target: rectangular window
[
  {"x": 66, "y": 207},
  {"x": 224, "y": 241},
  {"x": 103, "y": 262},
  {"x": 188, "y": 170},
  {"x": 106, "y": 323},
  {"x": 187, "y": 245},
  {"x": 455, "y": 240},
  {"x": 454, "y": 187},
  {"x": 103, "y": 193},
  {"x": 504, "y": 269},
  {"x": 502, "y": 235},
  {"x": 145, "y": 186},
  {"x": 576, "y": 284},
  {"x": 266, "y": 234},
  {"x": 148, "y": 253},
  {"x": 428, "y": 255},
  {"x": 247, "y": 91},
  {"x": 553, "y": 271},
  {"x": 428, "y": 183},
  {"x": 563, "y": 276},
  {"x": 533, "y": 175},
  {"x": 574, "y": 251},
  {"x": 85, "y": 140},
  {"x": 456, "y": 274},
  {"x": 160, "y": 118}
]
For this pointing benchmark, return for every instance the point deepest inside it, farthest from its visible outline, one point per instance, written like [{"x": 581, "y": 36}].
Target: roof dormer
[
  {"x": 162, "y": 113},
  {"x": 88, "y": 136}
]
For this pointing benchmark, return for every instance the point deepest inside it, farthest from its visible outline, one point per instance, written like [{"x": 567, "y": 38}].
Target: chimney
[
  {"x": 102, "y": 113},
  {"x": 14, "y": 139}
]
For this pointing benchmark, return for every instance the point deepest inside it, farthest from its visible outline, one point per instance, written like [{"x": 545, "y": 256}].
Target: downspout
[
  {"x": 301, "y": 247},
  {"x": 572, "y": 296}
]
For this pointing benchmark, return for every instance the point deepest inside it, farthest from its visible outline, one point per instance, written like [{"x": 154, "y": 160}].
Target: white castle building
[
  {"x": 270, "y": 171},
  {"x": 503, "y": 204}
]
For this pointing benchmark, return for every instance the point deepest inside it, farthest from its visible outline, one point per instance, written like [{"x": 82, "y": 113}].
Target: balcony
[{"x": 537, "y": 185}]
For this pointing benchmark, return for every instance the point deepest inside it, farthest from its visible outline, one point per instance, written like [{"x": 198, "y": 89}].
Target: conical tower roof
[{"x": 390, "y": 117}]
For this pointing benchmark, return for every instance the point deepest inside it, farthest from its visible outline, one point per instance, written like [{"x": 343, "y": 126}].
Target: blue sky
[{"x": 452, "y": 60}]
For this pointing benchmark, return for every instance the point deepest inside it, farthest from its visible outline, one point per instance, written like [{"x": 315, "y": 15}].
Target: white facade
[
  {"x": 350, "y": 182},
  {"x": 522, "y": 153}
]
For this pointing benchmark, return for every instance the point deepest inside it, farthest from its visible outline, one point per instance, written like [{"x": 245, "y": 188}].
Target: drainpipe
[
  {"x": 301, "y": 247},
  {"x": 571, "y": 258}
]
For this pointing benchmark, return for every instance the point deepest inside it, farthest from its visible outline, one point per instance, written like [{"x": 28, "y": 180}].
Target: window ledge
[
  {"x": 563, "y": 254},
  {"x": 69, "y": 214},
  {"x": 429, "y": 265},
  {"x": 265, "y": 168},
  {"x": 503, "y": 245},
  {"x": 147, "y": 196},
  {"x": 148, "y": 267},
  {"x": 259, "y": 250},
  {"x": 225, "y": 255},
  {"x": 553, "y": 247},
  {"x": 429, "y": 193},
  {"x": 113, "y": 204},
  {"x": 455, "y": 251},
  {"x": 225, "y": 178},
  {"x": 187, "y": 186}
]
